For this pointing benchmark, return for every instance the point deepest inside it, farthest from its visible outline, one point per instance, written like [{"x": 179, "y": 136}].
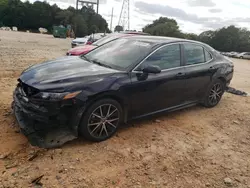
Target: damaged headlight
[{"x": 56, "y": 96}]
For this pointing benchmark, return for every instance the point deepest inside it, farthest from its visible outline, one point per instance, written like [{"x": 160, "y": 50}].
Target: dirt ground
[{"x": 195, "y": 147}]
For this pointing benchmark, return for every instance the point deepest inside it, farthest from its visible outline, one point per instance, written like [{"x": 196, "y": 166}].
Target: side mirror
[{"x": 152, "y": 69}]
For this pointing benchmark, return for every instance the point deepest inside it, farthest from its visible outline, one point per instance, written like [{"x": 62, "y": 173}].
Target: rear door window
[
  {"x": 194, "y": 54},
  {"x": 208, "y": 56}
]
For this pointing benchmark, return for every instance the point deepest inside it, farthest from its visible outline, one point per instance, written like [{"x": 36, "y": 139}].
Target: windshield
[
  {"x": 121, "y": 53},
  {"x": 106, "y": 39}
]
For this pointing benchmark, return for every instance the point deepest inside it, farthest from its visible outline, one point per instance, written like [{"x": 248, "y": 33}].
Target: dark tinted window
[
  {"x": 166, "y": 57},
  {"x": 194, "y": 54},
  {"x": 207, "y": 55}
]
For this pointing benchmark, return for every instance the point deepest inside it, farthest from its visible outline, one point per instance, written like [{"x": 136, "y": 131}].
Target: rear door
[
  {"x": 199, "y": 70},
  {"x": 155, "y": 92}
]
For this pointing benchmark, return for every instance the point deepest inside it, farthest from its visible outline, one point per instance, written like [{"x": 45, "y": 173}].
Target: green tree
[
  {"x": 65, "y": 17},
  {"x": 3, "y": 6},
  {"x": 226, "y": 39},
  {"x": 191, "y": 36},
  {"x": 119, "y": 28},
  {"x": 79, "y": 25},
  {"x": 206, "y": 36},
  {"x": 94, "y": 29},
  {"x": 164, "y": 27}
]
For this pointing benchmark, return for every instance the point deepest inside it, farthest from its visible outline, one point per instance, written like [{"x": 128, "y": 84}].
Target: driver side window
[{"x": 166, "y": 57}]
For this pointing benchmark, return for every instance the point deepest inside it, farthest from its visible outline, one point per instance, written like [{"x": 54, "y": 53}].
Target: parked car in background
[
  {"x": 87, "y": 39},
  {"x": 80, "y": 50},
  {"x": 244, "y": 55},
  {"x": 79, "y": 41},
  {"x": 125, "y": 79},
  {"x": 232, "y": 54}
]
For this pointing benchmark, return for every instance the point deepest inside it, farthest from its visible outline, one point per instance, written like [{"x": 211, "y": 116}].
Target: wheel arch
[
  {"x": 113, "y": 95},
  {"x": 221, "y": 78},
  {"x": 104, "y": 95}
]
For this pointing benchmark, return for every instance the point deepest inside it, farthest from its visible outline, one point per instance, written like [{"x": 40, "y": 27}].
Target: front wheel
[
  {"x": 214, "y": 93},
  {"x": 101, "y": 120}
]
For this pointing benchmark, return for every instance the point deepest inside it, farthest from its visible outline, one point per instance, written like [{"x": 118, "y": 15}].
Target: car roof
[
  {"x": 157, "y": 40},
  {"x": 134, "y": 32}
]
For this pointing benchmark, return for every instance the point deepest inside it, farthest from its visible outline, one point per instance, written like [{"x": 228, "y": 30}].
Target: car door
[
  {"x": 199, "y": 70},
  {"x": 155, "y": 92}
]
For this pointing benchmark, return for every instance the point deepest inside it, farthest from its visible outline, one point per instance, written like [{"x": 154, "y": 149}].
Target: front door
[{"x": 156, "y": 92}]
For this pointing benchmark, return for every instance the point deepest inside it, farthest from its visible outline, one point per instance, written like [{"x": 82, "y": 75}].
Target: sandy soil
[{"x": 195, "y": 147}]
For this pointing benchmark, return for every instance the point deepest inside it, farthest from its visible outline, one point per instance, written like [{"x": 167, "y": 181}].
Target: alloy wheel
[
  {"x": 215, "y": 94},
  {"x": 103, "y": 121}
]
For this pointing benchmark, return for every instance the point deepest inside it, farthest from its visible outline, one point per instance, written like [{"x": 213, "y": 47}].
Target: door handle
[
  {"x": 180, "y": 74},
  {"x": 212, "y": 68}
]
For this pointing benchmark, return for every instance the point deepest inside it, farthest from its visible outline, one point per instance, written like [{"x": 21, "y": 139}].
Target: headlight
[{"x": 56, "y": 96}]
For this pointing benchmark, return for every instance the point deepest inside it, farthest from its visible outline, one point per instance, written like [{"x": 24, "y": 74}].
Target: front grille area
[{"x": 28, "y": 90}]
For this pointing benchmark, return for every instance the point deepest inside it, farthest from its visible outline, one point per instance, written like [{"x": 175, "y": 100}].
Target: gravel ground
[{"x": 195, "y": 147}]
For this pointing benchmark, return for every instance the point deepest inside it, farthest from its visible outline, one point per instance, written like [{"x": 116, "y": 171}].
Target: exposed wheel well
[{"x": 223, "y": 80}]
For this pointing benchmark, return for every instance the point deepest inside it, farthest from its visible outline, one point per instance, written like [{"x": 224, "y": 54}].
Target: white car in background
[
  {"x": 232, "y": 54},
  {"x": 79, "y": 41},
  {"x": 244, "y": 55},
  {"x": 87, "y": 39}
]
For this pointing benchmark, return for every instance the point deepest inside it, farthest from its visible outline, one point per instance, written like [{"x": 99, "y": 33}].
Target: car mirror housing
[{"x": 152, "y": 69}]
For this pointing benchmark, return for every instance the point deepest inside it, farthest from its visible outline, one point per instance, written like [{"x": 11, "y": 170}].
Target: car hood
[
  {"x": 64, "y": 73},
  {"x": 81, "y": 49}
]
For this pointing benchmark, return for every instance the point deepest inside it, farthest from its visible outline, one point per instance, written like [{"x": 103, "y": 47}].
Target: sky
[{"x": 193, "y": 16}]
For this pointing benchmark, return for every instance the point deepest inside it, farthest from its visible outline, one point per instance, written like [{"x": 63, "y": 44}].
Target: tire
[
  {"x": 101, "y": 120},
  {"x": 214, "y": 93},
  {"x": 241, "y": 57}
]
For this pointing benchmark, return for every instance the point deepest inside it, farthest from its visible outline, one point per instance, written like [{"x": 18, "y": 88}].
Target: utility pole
[
  {"x": 97, "y": 6},
  {"x": 111, "y": 22},
  {"x": 128, "y": 15}
]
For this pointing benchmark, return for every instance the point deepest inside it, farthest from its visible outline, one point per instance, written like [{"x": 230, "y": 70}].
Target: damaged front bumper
[{"x": 46, "y": 125}]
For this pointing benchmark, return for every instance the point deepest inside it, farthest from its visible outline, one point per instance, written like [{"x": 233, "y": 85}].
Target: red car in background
[{"x": 81, "y": 50}]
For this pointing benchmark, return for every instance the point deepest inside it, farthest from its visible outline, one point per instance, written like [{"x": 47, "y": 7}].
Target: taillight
[{"x": 89, "y": 42}]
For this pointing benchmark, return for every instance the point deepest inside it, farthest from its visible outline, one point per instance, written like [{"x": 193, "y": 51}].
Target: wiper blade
[
  {"x": 101, "y": 64},
  {"x": 96, "y": 62}
]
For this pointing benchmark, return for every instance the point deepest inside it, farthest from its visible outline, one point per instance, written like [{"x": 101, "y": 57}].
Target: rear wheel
[
  {"x": 214, "y": 93},
  {"x": 101, "y": 120},
  {"x": 241, "y": 57}
]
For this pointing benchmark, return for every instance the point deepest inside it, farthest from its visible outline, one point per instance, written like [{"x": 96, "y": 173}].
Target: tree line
[
  {"x": 226, "y": 39},
  {"x": 31, "y": 16}
]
